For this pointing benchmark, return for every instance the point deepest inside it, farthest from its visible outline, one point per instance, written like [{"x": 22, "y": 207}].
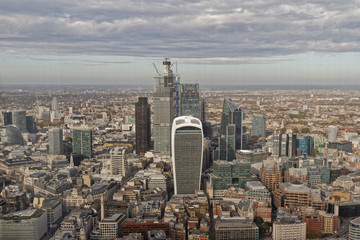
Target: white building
[
  {"x": 289, "y": 228},
  {"x": 23, "y": 225}
]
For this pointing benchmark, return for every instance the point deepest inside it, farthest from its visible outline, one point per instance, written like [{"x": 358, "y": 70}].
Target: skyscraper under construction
[{"x": 164, "y": 109}]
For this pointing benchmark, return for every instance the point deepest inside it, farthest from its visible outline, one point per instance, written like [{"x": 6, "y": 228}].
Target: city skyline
[{"x": 236, "y": 43}]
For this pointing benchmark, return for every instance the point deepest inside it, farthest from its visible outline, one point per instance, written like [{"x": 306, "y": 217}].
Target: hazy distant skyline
[{"x": 213, "y": 42}]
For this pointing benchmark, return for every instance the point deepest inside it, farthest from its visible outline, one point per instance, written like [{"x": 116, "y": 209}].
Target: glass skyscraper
[
  {"x": 190, "y": 100},
  {"x": 164, "y": 110},
  {"x": 232, "y": 114},
  {"x": 187, "y": 154},
  {"x": 82, "y": 142},
  {"x": 258, "y": 125},
  {"x": 56, "y": 141},
  {"x": 143, "y": 125}
]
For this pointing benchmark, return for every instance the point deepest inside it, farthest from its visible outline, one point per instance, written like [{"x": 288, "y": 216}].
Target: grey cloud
[{"x": 212, "y": 29}]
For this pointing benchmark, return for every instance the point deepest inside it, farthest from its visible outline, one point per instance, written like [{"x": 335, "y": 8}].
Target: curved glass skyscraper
[{"x": 187, "y": 154}]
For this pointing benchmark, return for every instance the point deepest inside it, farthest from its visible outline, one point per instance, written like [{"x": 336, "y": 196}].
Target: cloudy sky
[{"x": 213, "y": 42}]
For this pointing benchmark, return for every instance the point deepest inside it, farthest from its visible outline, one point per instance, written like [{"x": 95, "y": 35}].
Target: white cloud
[{"x": 184, "y": 29}]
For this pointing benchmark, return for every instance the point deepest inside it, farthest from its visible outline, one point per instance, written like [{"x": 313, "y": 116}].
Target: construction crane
[{"x": 156, "y": 69}]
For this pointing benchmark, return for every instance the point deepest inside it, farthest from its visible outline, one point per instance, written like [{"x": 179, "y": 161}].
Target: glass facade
[{"x": 82, "y": 142}]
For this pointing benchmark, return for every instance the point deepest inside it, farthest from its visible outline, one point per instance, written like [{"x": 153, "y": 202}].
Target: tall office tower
[
  {"x": 6, "y": 118},
  {"x": 56, "y": 141},
  {"x": 118, "y": 162},
  {"x": 31, "y": 124},
  {"x": 142, "y": 125},
  {"x": 232, "y": 114},
  {"x": 19, "y": 120},
  {"x": 332, "y": 134},
  {"x": 227, "y": 144},
  {"x": 277, "y": 145},
  {"x": 292, "y": 145},
  {"x": 82, "y": 142},
  {"x": 190, "y": 100},
  {"x": 54, "y": 104},
  {"x": 164, "y": 110},
  {"x": 305, "y": 144},
  {"x": 284, "y": 145},
  {"x": 187, "y": 154},
  {"x": 258, "y": 125}
]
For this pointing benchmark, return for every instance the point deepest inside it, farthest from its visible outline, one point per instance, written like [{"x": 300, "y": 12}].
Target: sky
[{"x": 248, "y": 42}]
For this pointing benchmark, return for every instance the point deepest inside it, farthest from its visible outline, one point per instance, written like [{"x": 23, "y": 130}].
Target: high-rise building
[
  {"x": 6, "y": 118},
  {"x": 164, "y": 110},
  {"x": 190, "y": 100},
  {"x": 82, "y": 142},
  {"x": 305, "y": 144},
  {"x": 332, "y": 134},
  {"x": 258, "y": 125},
  {"x": 54, "y": 104},
  {"x": 56, "y": 141},
  {"x": 187, "y": 154},
  {"x": 227, "y": 144},
  {"x": 118, "y": 162},
  {"x": 31, "y": 124},
  {"x": 284, "y": 145},
  {"x": 232, "y": 114},
  {"x": 143, "y": 125},
  {"x": 19, "y": 120}
]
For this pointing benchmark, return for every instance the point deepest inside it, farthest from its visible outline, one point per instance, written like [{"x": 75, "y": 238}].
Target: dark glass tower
[
  {"x": 232, "y": 114},
  {"x": 6, "y": 118},
  {"x": 142, "y": 125}
]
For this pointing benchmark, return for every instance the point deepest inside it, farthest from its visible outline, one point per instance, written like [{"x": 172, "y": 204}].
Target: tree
[
  {"x": 305, "y": 130},
  {"x": 283, "y": 130},
  {"x": 296, "y": 130}
]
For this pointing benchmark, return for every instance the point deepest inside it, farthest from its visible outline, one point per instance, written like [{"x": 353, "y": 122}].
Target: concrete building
[
  {"x": 82, "y": 142},
  {"x": 289, "y": 228},
  {"x": 110, "y": 227},
  {"x": 118, "y": 162},
  {"x": 297, "y": 194},
  {"x": 187, "y": 154},
  {"x": 56, "y": 145},
  {"x": 236, "y": 229},
  {"x": 24, "y": 225},
  {"x": 258, "y": 125},
  {"x": 164, "y": 110},
  {"x": 54, "y": 104},
  {"x": 296, "y": 174},
  {"x": 270, "y": 174},
  {"x": 332, "y": 133}
]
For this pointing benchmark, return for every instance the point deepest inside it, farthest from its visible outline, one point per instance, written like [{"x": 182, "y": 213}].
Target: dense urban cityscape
[{"x": 179, "y": 161}]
